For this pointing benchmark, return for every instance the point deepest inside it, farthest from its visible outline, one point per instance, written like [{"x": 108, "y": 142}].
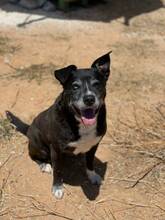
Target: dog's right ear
[
  {"x": 102, "y": 65},
  {"x": 63, "y": 74}
]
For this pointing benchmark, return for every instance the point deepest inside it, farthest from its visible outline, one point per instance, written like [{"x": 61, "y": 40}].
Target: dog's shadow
[{"x": 74, "y": 173}]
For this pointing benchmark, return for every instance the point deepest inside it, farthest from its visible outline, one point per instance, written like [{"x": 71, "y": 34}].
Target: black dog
[{"x": 75, "y": 123}]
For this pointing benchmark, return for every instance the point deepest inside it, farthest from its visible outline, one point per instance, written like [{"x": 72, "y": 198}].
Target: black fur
[
  {"x": 20, "y": 125},
  {"x": 53, "y": 129}
]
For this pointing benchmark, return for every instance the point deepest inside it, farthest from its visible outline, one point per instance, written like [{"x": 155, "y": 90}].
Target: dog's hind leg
[{"x": 41, "y": 157}]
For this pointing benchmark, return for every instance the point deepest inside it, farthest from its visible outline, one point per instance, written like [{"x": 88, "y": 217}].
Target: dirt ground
[{"x": 131, "y": 157}]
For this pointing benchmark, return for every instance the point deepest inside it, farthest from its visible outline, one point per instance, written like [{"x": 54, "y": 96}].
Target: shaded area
[
  {"x": 74, "y": 174},
  {"x": 105, "y": 11},
  {"x": 131, "y": 8}
]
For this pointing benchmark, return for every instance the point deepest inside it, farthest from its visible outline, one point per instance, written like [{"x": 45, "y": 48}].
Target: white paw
[
  {"x": 57, "y": 191},
  {"x": 94, "y": 177},
  {"x": 45, "y": 167}
]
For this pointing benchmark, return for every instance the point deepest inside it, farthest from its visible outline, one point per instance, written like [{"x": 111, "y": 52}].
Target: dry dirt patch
[{"x": 131, "y": 156}]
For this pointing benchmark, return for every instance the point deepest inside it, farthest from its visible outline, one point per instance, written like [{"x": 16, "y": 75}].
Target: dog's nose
[{"x": 89, "y": 100}]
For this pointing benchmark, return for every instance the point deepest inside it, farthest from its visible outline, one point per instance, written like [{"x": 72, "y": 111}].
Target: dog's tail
[{"x": 20, "y": 125}]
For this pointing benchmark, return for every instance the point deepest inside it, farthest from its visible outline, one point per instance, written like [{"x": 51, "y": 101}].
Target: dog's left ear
[
  {"x": 102, "y": 65},
  {"x": 63, "y": 74}
]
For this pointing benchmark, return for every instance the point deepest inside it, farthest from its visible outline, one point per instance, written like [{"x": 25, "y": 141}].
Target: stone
[
  {"x": 49, "y": 6},
  {"x": 32, "y": 4}
]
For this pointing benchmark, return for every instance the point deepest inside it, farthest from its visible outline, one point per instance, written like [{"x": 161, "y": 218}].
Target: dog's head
[{"x": 85, "y": 89}]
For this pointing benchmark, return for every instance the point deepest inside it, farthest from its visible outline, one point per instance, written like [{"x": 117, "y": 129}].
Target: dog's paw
[
  {"x": 94, "y": 177},
  {"x": 58, "y": 191},
  {"x": 46, "y": 167}
]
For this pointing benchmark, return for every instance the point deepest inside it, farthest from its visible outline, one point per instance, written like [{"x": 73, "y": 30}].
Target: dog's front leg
[
  {"x": 92, "y": 175},
  {"x": 56, "y": 160}
]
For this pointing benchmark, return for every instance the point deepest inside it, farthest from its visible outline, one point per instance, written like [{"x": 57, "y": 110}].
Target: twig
[
  {"x": 160, "y": 207},
  {"x": 116, "y": 141},
  {"x": 24, "y": 22},
  {"x": 5, "y": 180},
  {"x": 44, "y": 208},
  {"x": 112, "y": 214},
  {"x": 127, "y": 125},
  {"x": 150, "y": 154},
  {"x": 157, "y": 191},
  {"x": 50, "y": 212},
  {"x": 12, "y": 67},
  {"x": 16, "y": 98},
  {"x": 160, "y": 112},
  {"x": 145, "y": 174},
  {"x": 124, "y": 209},
  {"x": 3, "y": 213},
  {"x": 126, "y": 180},
  {"x": 148, "y": 131},
  {"x": 107, "y": 214},
  {"x": 8, "y": 158},
  {"x": 4, "y": 184},
  {"x": 132, "y": 180},
  {"x": 28, "y": 196},
  {"x": 93, "y": 213},
  {"x": 136, "y": 119},
  {"x": 132, "y": 203},
  {"x": 124, "y": 202},
  {"x": 29, "y": 216},
  {"x": 3, "y": 187}
]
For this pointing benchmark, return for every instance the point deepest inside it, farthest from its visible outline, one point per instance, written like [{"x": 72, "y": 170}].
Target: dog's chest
[{"x": 87, "y": 139}]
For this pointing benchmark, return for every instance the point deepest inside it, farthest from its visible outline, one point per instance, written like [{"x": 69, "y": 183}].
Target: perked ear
[
  {"x": 63, "y": 74},
  {"x": 102, "y": 65}
]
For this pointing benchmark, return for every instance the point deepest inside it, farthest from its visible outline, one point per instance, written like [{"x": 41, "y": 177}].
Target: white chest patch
[{"x": 87, "y": 139}]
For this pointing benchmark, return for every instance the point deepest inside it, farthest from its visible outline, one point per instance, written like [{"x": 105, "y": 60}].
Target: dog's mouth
[{"x": 88, "y": 116}]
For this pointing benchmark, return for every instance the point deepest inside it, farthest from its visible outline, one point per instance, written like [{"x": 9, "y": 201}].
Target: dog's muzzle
[
  {"x": 89, "y": 100},
  {"x": 88, "y": 115}
]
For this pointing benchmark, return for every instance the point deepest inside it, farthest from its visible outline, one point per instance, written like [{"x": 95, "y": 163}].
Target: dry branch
[
  {"x": 2, "y": 213},
  {"x": 126, "y": 180},
  {"x": 160, "y": 112},
  {"x": 42, "y": 207},
  {"x": 8, "y": 158},
  {"x": 150, "y": 154},
  {"x": 28, "y": 216},
  {"x": 135, "y": 204},
  {"x": 113, "y": 216},
  {"x": 144, "y": 175},
  {"x": 160, "y": 207},
  {"x": 16, "y": 98}
]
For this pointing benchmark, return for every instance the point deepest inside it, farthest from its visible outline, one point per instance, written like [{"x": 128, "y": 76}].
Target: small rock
[
  {"x": 32, "y": 4},
  {"x": 49, "y": 6},
  {"x": 7, "y": 60}
]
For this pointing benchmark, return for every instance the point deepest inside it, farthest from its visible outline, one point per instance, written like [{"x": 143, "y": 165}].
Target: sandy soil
[{"x": 131, "y": 156}]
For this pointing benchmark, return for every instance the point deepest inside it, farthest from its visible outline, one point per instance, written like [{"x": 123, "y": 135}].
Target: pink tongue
[{"x": 88, "y": 121}]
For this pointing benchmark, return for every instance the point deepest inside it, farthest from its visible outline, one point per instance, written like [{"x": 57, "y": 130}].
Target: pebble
[{"x": 32, "y": 4}]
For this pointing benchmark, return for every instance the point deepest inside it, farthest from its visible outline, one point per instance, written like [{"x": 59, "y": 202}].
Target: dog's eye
[
  {"x": 96, "y": 83},
  {"x": 75, "y": 86}
]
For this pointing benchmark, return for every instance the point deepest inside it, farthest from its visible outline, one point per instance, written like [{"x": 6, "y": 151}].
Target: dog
[{"x": 75, "y": 123}]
